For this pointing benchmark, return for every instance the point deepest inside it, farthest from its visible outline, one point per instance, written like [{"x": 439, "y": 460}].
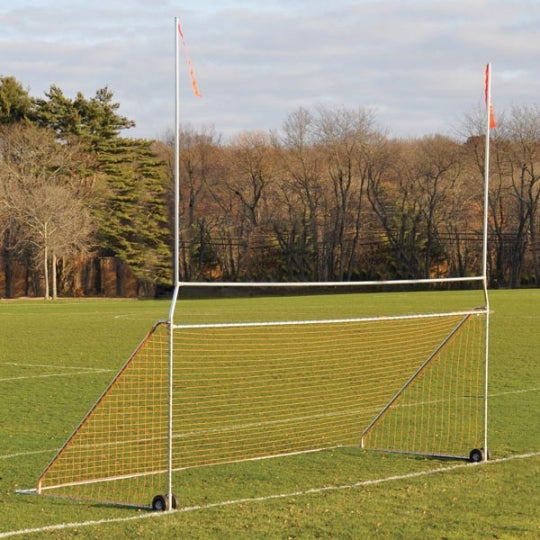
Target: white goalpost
[{"x": 290, "y": 379}]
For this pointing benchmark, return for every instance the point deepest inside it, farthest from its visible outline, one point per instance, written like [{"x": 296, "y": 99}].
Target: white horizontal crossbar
[
  {"x": 476, "y": 311},
  {"x": 315, "y": 284}
]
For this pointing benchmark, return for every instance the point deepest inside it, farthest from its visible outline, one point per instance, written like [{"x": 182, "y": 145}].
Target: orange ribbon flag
[
  {"x": 487, "y": 98},
  {"x": 194, "y": 84}
]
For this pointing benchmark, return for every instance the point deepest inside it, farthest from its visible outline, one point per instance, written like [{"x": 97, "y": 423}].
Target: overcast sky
[{"x": 419, "y": 64}]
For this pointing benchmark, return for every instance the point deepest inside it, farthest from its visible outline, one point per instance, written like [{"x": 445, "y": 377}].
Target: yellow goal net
[{"x": 209, "y": 394}]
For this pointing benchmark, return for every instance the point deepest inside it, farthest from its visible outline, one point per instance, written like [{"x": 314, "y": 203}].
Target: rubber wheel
[
  {"x": 159, "y": 503},
  {"x": 476, "y": 456}
]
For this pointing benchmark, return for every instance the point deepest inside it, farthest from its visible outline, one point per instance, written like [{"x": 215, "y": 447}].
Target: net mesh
[
  {"x": 118, "y": 453},
  {"x": 246, "y": 392}
]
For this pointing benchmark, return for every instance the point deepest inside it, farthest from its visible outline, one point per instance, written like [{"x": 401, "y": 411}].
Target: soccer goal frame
[
  {"x": 130, "y": 436},
  {"x": 219, "y": 393}
]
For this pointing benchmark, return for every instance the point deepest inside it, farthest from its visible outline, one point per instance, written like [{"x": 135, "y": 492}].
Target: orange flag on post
[
  {"x": 489, "y": 105},
  {"x": 194, "y": 84}
]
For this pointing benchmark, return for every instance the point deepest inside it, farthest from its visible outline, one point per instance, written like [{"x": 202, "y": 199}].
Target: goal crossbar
[
  {"x": 474, "y": 311},
  {"x": 319, "y": 284}
]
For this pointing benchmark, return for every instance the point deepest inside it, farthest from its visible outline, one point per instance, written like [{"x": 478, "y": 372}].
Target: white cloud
[{"x": 419, "y": 63}]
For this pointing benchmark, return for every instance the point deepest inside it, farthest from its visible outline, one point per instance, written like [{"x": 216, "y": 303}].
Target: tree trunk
[
  {"x": 53, "y": 276},
  {"x": 46, "y": 271},
  {"x": 8, "y": 274}
]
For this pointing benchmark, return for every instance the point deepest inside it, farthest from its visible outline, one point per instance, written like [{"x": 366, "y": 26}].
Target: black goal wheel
[
  {"x": 160, "y": 503},
  {"x": 476, "y": 456}
]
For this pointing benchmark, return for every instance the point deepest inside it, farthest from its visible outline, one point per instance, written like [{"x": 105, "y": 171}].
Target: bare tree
[
  {"x": 251, "y": 172},
  {"x": 436, "y": 170},
  {"x": 302, "y": 191},
  {"x": 252, "y": 169},
  {"x": 42, "y": 201},
  {"x": 395, "y": 199},
  {"x": 522, "y": 131},
  {"x": 343, "y": 136},
  {"x": 198, "y": 153}
]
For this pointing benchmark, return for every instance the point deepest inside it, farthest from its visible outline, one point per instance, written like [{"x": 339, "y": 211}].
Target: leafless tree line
[
  {"x": 332, "y": 197},
  {"x": 329, "y": 197}
]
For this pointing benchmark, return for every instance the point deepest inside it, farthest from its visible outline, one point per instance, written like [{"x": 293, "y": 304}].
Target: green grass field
[{"x": 56, "y": 359}]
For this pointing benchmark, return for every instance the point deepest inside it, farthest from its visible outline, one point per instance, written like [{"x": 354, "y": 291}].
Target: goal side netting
[{"x": 245, "y": 391}]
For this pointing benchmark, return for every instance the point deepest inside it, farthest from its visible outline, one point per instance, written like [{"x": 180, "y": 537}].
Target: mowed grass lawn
[{"x": 57, "y": 357}]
